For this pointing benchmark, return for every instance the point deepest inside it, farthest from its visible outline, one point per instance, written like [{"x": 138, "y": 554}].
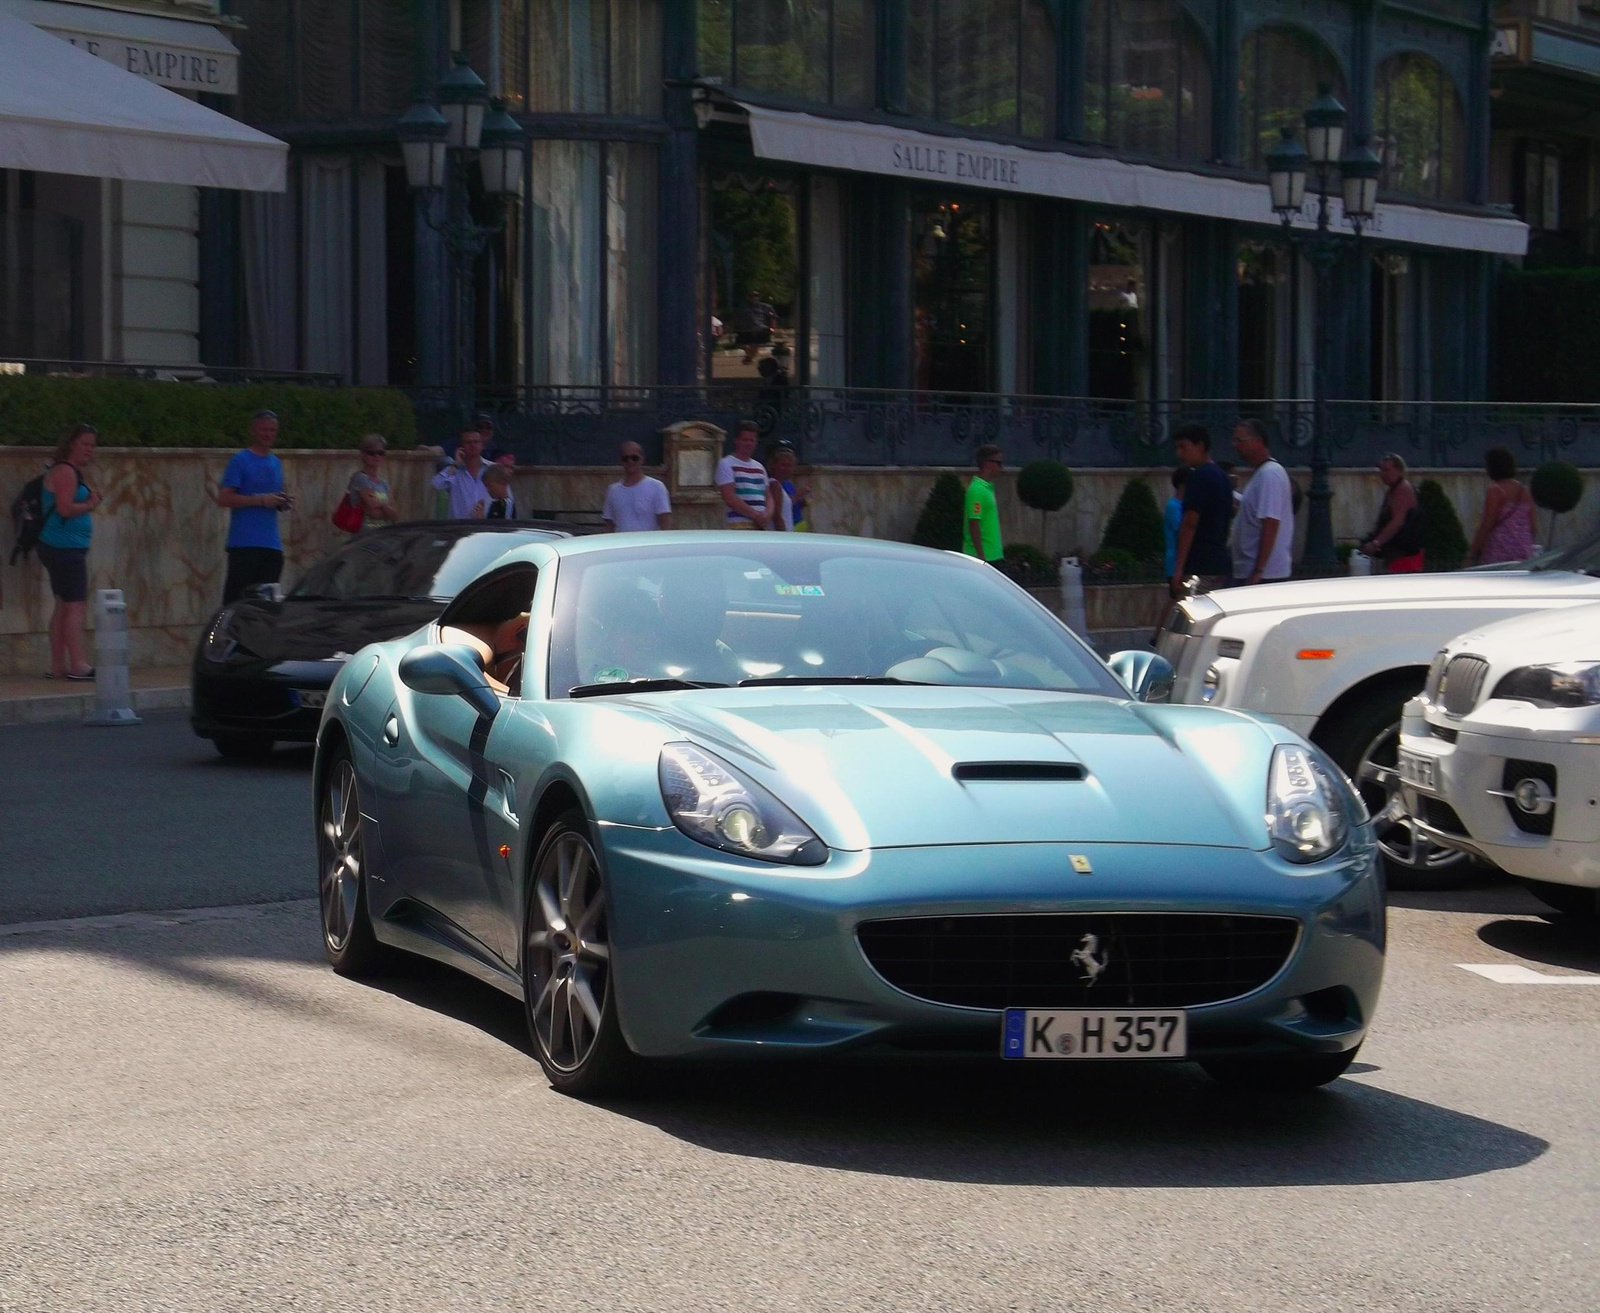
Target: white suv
[
  {"x": 1337, "y": 659},
  {"x": 1500, "y": 756}
]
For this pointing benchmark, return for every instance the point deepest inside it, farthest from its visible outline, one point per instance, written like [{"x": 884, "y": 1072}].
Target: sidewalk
[{"x": 28, "y": 699}]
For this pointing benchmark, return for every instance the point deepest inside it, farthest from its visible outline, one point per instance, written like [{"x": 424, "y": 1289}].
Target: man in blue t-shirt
[
  {"x": 1207, "y": 508},
  {"x": 252, "y": 493}
]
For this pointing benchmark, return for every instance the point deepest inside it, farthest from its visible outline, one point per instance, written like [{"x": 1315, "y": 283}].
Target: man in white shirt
[
  {"x": 463, "y": 478},
  {"x": 742, "y": 481},
  {"x": 636, "y": 502},
  {"x": 1263, "y": 530}
]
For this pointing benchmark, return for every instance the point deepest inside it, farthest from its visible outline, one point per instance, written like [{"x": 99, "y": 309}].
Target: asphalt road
[{"x": 197, "y": 1114}]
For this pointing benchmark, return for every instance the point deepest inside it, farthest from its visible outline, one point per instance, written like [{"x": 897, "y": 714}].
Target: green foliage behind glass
[
  {"x": 1135, "y": 526},
  {"x": 136, "y": 412}
]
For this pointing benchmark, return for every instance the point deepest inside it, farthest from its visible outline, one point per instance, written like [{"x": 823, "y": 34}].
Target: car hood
[
  {"x": 1567, "y": 634},
  {"x": 1407, "y": 590},
  {"x": 882, "y": 766},
  {"x": 298, "y": 629}
]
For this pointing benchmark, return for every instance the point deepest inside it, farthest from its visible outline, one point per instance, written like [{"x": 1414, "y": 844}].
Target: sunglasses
[{"x": 632, "y": 460}]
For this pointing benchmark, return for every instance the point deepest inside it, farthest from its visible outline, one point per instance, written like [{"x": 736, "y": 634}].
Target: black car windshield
[
  {"x": 425, "y": 563},
  {"x": 769, "y": 608}
]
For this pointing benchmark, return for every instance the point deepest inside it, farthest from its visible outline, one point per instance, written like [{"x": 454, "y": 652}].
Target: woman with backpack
[{"x": 68, "y": 503}]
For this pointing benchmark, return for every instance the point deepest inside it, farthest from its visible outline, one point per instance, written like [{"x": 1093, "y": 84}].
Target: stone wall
[{"x": 160, "y": 537}]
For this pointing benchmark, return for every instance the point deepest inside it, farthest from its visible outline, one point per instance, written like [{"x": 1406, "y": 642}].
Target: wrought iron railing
[
  {"x": 179, "y": 373},
  {"x": 885, "y": 427}
]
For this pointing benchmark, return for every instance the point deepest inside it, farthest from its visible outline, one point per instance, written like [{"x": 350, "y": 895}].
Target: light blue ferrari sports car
[{"x": 702, "y": 795}]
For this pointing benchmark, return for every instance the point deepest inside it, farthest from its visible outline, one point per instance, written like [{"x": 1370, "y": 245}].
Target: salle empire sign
[
  {"x": 168, "y": 66},
  {"x": 979, "y": 168}
]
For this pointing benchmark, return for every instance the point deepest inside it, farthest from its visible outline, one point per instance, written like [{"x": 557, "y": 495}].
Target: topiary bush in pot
[
  {"x": 1135, "y": 526},
  {"x": 939, "y": 524},
  {"x": 1046, "y": 486}
]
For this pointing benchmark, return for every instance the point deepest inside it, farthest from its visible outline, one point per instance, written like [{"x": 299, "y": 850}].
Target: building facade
[{"x": 961, "y": 198}]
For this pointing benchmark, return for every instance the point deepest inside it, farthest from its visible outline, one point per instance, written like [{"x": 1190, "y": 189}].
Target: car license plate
[
  {"x": 1416, "y": 769},
  {"x": 1078, "y": 1033},
  {"x": 310, "y": 698}
]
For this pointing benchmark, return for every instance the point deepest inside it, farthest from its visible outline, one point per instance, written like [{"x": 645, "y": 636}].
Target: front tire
[
  {"x": 569, "y": 990},
  {"x": 1365, "y": 742},
  {"x": 1290, "y": 1073},
  {"x": 347, "y": 939}
]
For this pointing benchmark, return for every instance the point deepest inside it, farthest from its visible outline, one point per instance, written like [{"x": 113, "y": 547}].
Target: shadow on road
[
  {"x": 1488, "y": 896},
  {"x": 1166, "y": 1127},
  {"x": 1562, "y": 942},
  {"x": 452, "y": 994}
]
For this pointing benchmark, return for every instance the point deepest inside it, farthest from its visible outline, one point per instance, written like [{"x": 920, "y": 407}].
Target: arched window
[
  {"x": 1279, "y": 71},
  {"x": 1149, "y": 80},
  {"x": 1419, "y": 134}
]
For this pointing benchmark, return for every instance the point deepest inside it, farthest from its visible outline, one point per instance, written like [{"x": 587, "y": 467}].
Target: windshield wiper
[
  {"x": 768, "y": 680},
  {"x": 639, "y": 686}
]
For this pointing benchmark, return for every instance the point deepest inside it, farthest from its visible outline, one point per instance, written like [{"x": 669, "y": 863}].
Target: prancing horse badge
[{"x": 1080, "y": 864}]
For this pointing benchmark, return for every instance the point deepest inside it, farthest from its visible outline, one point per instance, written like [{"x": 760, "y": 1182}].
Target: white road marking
[
  {"x": 1511, "y": 973},
  {"x": 173, "y": 916}
]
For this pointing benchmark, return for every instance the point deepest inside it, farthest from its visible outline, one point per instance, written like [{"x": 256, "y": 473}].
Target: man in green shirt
[{"x": 980, "y": 534}]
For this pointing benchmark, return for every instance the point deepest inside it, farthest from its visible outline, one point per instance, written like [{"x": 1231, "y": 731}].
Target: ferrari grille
[
  {"x": 1071, "y": 960},
  {"x": 1462, "y": 683}
]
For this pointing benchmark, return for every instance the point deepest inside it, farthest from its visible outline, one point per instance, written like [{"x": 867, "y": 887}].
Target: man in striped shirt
[{"x": 742, "y": 481}]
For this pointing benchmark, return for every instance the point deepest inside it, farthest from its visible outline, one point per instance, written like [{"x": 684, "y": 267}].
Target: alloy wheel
[
  {"x": 568, "y": 953},
  {"x": 1378, "y": 779},
  {"x": 340, "y": 883}
]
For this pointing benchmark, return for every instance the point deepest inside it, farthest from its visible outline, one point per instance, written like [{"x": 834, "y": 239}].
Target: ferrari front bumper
[{"x": 718, "y": 957}]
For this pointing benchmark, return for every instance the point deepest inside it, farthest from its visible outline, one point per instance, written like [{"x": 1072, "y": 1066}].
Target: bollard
[
  {"x": 1360, "y": 564},
  {"x": 112, "y": 696},
  {"x": 1073, "y": 608}
]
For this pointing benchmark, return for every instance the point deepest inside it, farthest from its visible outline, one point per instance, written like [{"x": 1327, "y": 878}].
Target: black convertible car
[{"x": 262, "y": 670}]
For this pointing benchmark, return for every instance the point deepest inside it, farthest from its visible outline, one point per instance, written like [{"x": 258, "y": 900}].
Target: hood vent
[{"x": 1018, "y": 770}]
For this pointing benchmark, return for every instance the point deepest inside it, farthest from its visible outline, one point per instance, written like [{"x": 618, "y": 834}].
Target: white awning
[
  {"x": 956, "y": 161},
  {"x": 188, "y": 54},
  {"x": 65, "y": 111}
]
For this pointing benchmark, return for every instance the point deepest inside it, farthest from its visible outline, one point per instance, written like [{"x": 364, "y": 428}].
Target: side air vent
[{"x": 1019, "y": 770}]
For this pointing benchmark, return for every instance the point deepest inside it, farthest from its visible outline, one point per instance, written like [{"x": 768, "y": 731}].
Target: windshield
[
  {"x": 407, "y": 565},
  {"x": 1583, "y": 559},
  {"x": 776, "y": 609}
]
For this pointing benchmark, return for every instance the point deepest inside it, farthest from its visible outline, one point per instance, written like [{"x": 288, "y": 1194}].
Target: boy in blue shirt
[{"x": 252, "y": 492}]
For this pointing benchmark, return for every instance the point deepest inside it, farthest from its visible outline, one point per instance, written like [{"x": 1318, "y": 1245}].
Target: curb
[{"x": 45, "y": 707}]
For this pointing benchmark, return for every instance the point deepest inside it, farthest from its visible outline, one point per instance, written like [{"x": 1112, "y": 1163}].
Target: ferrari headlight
[
  {"x": 713, "y": 804},
  {"x": 220, "y": 643},
  {"x": 1307, "y": 816},
  {"x": 1569, "y": 684}
]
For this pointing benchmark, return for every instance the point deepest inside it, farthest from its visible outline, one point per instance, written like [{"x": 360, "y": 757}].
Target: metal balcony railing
[
  {"x": 887, "y": 427},
  {"x": 179, "y": 373}
]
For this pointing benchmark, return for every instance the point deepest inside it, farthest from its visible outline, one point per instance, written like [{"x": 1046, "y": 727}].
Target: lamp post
[
  {"x": 1288, "y": 164},
  {"x": 440, "y": 149}
]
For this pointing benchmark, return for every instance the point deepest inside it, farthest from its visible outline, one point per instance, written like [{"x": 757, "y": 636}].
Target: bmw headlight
[
  {"x": 715, "y": 805},
  {"x": 1568, "y": 684},
  {"x": 1308, "y": 817},
  {"x": 220, "y": 643}
]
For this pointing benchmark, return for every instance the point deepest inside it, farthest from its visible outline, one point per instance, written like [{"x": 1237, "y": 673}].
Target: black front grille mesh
[{"x": 1158, "y": 959}]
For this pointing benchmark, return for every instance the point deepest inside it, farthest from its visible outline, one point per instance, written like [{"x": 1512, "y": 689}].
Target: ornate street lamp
[
  {"x": 1357, "y": 171},
  {"x": 440, "y": 150}
]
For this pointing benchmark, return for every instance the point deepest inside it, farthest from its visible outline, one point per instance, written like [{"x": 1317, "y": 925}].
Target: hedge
[
  {"x": 36, "y": 410},
  {"x": 939, "y": 524},
  {"x": 1134, "y": 529}
]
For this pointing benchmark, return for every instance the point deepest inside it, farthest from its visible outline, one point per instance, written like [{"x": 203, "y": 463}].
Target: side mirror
[
  {"x": 449, "y": 671},
  {"x": 1147, "y": 676}
]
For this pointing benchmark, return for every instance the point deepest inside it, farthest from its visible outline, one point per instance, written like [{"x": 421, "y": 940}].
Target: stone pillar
[
  {"x": 678, "y": 346},
  {"x": 890, "y": 70},
  {"x": 1060, "y": 299},
  {"x": 880, "y": 284},
  {"x": 1212, "y": 312},
  {"x": 1225, "y": 82},
  {"x": 1071, "y": 68}
]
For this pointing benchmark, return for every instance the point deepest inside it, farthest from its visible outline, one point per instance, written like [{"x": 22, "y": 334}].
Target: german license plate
[
  {"x": 313, "y": 697},
  {"x": 1416, "y": 769},
  {"x": 1079, "y": 1033}
]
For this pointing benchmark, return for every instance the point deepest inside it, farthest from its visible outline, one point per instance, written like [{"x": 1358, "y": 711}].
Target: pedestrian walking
[
  {"x": 1505, "y": 529},
  {"x": 788, "y": 498},
  {"x": 1172, "y": 517},
  {"x": 636, "y": 502},
  {"x": 1397, "y": 537},
  {"x": 366, "y": 497},
  {"x": 1207, "y": 508},
  {"x": 980, "y": 535},
  {"x": 499, "y": 504},
  {"x": 742, "y": 481},
  {"x": 252, "y": 493},
  {"x": 68, "y": 504},
  {"x": 462, "y": 478},
  {"x": 1263, "y": 532}
]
